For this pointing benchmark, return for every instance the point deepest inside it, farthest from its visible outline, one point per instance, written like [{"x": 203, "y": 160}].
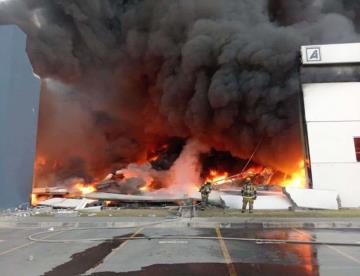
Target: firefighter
[
  {"x": 205, "y": 190},
  {"x": 248, "y": 193}
]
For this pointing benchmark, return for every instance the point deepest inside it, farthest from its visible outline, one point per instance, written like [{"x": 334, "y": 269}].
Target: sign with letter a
[{"x": 313, "y": 54}]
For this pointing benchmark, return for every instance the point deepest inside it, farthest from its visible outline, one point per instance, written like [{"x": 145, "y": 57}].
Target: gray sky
[{"x": 19, "y": 97}]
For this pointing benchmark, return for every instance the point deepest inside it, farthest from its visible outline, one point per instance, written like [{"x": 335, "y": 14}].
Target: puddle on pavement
[{"x": 292, "y": 259}]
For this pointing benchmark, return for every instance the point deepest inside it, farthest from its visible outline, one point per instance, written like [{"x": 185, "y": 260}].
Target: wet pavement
[{"x": 114, "y": 254}]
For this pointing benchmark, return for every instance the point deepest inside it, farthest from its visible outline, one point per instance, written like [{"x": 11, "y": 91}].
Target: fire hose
[{"x": 33, "y": 237}]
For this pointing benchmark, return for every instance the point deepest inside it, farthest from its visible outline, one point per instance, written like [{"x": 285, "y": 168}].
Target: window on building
[{"x": 357, "y": 148}]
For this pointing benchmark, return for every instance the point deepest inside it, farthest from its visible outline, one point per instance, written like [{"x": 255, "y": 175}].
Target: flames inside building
[{"x": 175, "y": 168}]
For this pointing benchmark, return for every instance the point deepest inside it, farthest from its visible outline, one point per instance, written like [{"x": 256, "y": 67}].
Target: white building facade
[{"x": 331, "y": 97}]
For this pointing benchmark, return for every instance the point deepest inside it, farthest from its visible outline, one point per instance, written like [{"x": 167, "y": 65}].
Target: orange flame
[
  {"x": 154, "y": 158},
  {"x": 155, "y": 153},
  {"x": 297, "y": 179},
  {"x": 34, "y": 200},
  {"x": 217, "y": 177},
  {"x": 85, "y": 189},
  {"x": 144, "y": 188}
]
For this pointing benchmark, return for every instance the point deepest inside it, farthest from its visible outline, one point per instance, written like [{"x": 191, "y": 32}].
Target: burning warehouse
[{"x": 157, "y": 97}]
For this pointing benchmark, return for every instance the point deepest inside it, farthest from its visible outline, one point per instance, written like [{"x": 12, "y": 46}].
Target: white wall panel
[
  {"x": 264, "y": 201},
  {"x": 343, "y": 178},
  {"x": 313, "y": 198},
  {"x": 332, "y": 141},
  {"x": 332, "y": 113},
  {"x": 332, "y": 101}
]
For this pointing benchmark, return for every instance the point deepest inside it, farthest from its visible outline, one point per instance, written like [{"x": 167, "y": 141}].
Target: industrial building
[{"x": 331, "y": 97}]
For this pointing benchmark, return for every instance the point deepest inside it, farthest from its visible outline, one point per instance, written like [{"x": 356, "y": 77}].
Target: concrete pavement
[
  {"x": 177, "y": 246},
  {"x": 178, "y": 256}
]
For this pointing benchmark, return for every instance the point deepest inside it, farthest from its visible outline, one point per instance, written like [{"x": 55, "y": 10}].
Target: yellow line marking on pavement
[
  {"x": 26, "y": 244},
  {"x": 126, "y": 241},
  {"x": 225, "y": 251},
  {"x": 342, "y": 253}
]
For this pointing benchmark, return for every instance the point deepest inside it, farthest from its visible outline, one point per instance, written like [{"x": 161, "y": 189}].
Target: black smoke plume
[{"x": 119, "y": 76}]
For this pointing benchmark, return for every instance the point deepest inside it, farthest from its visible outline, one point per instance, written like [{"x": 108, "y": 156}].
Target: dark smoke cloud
[{"x": 222, "y": 71}]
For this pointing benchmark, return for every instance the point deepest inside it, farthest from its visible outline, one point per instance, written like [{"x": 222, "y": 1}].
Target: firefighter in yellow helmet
[
  {"x": 205, "y": 191},
  {"x": 248, "y": 193}
]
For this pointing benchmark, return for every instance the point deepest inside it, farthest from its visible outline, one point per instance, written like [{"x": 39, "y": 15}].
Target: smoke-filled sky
[{"x": 119, "y": 76}]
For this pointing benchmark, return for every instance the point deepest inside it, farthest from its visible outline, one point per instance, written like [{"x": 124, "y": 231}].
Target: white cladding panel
[
  {"x": 330, "y": 53},
  {"x": 273, "y": 201},
  {"x": 332, "y": 116},
  {"x": 332, "y": 101},
  {"x": 313, "y": 198},
  {"x": 332, "y": 141},
  {"x": 342, "y": 177}
]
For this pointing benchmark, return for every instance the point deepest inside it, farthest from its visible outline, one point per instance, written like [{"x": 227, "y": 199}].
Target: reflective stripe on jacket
[{"x": 248, "y": 191}]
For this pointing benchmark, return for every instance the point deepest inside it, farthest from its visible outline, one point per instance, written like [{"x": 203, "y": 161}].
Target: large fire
[
  {"x": 168, "y": 82},
  {"x": 156, "y": 173}
]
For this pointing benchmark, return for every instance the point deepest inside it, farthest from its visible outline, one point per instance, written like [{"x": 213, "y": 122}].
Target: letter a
[{"x": 314, "y": 55}]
